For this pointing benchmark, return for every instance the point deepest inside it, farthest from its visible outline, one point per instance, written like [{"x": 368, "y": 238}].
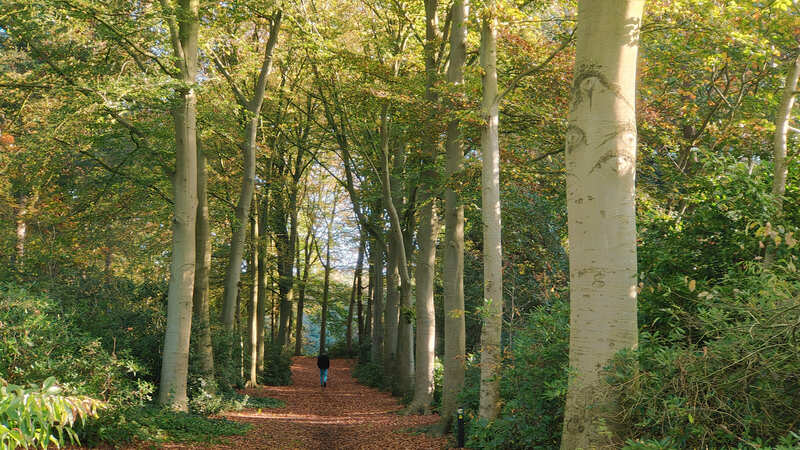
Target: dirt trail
[{"x": 344, "y": 415}]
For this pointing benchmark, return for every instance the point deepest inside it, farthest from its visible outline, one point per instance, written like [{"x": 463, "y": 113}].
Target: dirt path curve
[{"x": 344, "y": 415}]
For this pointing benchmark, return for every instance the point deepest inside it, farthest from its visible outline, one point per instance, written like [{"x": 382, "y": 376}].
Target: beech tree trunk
[
  {"x": 359, "y": 303},
  {"x": 428, "y": 229},
  {"x": 491, "y": 357},
  {"x": 264, "y": 246},
  {"x": 301, "y": 295},
  {"x": 354, "y": 294},
  {"x": 782, "y": 129},
  {"x": 202, "y": 316},
  {"x": 326, "y": 289},
  {"x": 453, "y": 261},
  {"x": 601, "y": 167},
  {"x": 391, "y": 312},
  {"x": 376, "y": 309},
  {"x": 21, "y": 231},
  {"x": 252, "y": 307},
  {"x": 175, "y": 361},
  {"x": 252, "y": 110}
]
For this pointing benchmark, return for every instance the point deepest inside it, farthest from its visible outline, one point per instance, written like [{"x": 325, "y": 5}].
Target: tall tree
[
  {"x": 428, "y": 225},
  {"x": 492, "y": 247},
  {"x": 601, "y": 166},
  {"x": 184, "y": 25},
  {"x": 327, "y": 277},
  {"x": 453, "y": 260},
  {"x": 252, "y": 304},
  {"x": 201, "y": 308},
  {"x": 782, "y": 129},
  {"x": 308, "y": 244},
  {"x": 251, "y": 109},
  {"x": 354, "y": 294}
]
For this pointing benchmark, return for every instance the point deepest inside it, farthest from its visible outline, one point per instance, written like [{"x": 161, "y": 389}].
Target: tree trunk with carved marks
[{"x": 601, "y": 167}]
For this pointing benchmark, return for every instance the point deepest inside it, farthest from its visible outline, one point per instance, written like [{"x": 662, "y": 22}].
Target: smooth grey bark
[
  {"x": 301, "y": 294},
  {"x": 359, "y": 303},
  {"x": 251, "y": 109},
  {"x": 600, "y": 160},
  {"x": 201, "y": 307},
  {"x": 782, "y": 129},
  {"x": 252, "y": 305},
  {"x": 392, "y": 309},
  {"x": 184, "y": 27},
  {"x": 453, "y": 258},
  {"x": 400, "y": 357},
  {"x": 263, "y": 268},
  {"x": 377, "y": 304},
  {"x": 428, "y": 229},
  {"x": 354, "y": 294},
  {"x": 491, "y": 358},
  {"x": 405, "y": 332},
  {"x": 21, "y": 231},
  {"x": 326, "y": 283}
]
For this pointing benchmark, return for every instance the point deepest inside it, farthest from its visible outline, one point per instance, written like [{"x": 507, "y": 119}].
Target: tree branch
[{"x": 513, "y": 85}]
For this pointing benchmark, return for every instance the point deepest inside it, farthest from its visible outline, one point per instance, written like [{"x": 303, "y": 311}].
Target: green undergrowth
[{"x": 153, "y": 424}]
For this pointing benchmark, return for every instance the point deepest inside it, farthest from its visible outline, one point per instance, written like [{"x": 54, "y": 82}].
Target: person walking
[{"x": 324, "y": 363}]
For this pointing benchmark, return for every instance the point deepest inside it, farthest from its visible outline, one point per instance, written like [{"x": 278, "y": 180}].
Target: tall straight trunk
[
  {"x": 453, "y": 261},
  {"x": 377, "y": 304},
  {"x": 272, "y": 316},
  {"x": 202, "y": 316},
  {"x": 492, "y": 250},
  {"x": 354, "y": 294},
  {"x": 782, "y": 128},
  {"x": 368, "y": 312},
  {"x": 252, "y": 305},
  {"x": 264, "y": 246},
  {"x": 252, "y": 111},
  {"x": 360, "y": 306},
  {"x": 301, "y": 297},
  {"x": 405, "y": 332},
  {"x": 21, "y": 231},
  {"x": 403, "y": 363},
  {"x": 391, "y": 312},
  {"x": 184, "y": 28},
  {"x": 293, "y": 232},
  {"x": 325, "y": 296},
  {"x": 428, "y": 228},
  {"x": 601, "y": 166}
]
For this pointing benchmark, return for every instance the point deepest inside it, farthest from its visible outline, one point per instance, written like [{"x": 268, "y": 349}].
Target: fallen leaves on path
[{"x": 344, "y": 415}]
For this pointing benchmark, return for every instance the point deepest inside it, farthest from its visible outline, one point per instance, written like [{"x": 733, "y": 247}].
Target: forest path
[{"x": 344, "y": 415}]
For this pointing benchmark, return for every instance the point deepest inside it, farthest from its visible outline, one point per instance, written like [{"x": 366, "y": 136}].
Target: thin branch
[
  {"x": 240, "y": 98},
  {"x": 513, "y": 85}
]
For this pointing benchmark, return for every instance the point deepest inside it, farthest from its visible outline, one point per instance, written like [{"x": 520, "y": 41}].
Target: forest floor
[{"x": 344, "y": 415}]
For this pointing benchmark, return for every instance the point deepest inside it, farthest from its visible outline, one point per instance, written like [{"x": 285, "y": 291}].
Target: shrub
[
  {"x": 339, "y": 350},
  {"x": 369, "y": 374},
  {"x": 533, "y": 386},
  {"x": 735, "y": 386},
  {"x": 277, "y": 366},
  {"x": 154, "y": 424},
  {"x": 38, "y": 341}
]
